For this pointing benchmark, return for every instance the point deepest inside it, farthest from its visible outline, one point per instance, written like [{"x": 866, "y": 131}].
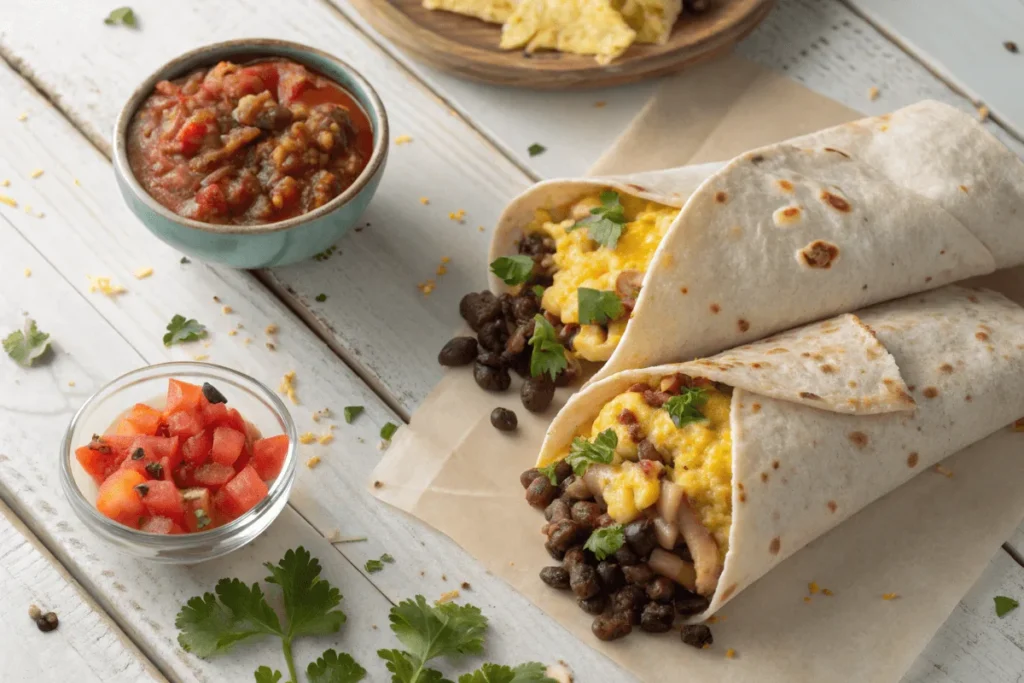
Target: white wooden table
[{"x": 374, "y": 340}]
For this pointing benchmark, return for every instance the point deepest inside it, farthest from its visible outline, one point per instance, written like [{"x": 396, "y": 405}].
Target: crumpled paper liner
[{"x": 927, "y": 542}]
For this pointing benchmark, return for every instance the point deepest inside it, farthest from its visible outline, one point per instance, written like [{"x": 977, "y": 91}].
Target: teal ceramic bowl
[{"x": 272, "y": 244}]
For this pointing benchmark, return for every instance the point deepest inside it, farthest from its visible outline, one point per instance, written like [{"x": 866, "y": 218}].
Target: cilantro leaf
[
  {"x": 430, "y": 631},
  {"x": 184, "y": 261},
  {"x": 538, "y": 291},
  {"x": 598, "y": 307},
  {"x": 352, "y": 412},
  {"x": 513, "y": 270},
  {"x": 548, "y": 355},
  {"x": 549, "y": 472},
  {"x": 333, "y": 667},
  {"x": 27, "y": 345},
  {"x": 121, "y": 15},
  {"x": 405, "y": 670},
  {"x": 531, "y": 672},
  {"x": 606, "y": 222},
  {"x": 208, "y": 626},
  {"x": 309, "y": 601},
  {"x": 373, "y": 566},
  {"x": 1004, "y": 605},
  {"x": 321, "y": 298},
  {"x": 181, "y": 330},
  {"x": 605, "y": 541},
  {"x": 536, "y": 148},
  {"x": 583, "y": 453},
  {"x": 388, "y": 430},
  {"x": 265, "y": 675},
  {"x": 683, "y": 409}
]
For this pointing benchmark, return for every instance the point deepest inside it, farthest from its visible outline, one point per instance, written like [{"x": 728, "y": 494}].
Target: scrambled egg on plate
[{"x": 493, "y": 11}]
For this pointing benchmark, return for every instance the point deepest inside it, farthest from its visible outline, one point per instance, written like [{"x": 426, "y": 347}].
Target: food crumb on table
[
  {"x": 459, "y": 215},
  {"x": 890, "y": 596},
  {"x": 447, "y": 597},
  {"x": 142, "y": 273},
  {"x": 873, "y": 93},
  {"x": 813, "y": 587},
  {"x": 378, "y": 484},
  {"x": 270, "y": 346},
  {"x": 600, "y": 104},
  {"x": 426, "y": 287},
  {"x": 465, "y": 585},
  {"x": 9, "y": 201},
  {"x": 36, "y": 173},
  {"x": 78, "y": 184},
  {"x": 424, "y": 200},
  {"x": 28, "y": 272},
  {"x": 247, "y": 341},
  {"x": 944, "y": 471},
  {"x": 1011, "y": 46},
  {"x": 313, "y": 461},
  {"x": 403, "y": 139},
  {"x": 325, "y": 438},
  {"x": 23, "y": 116},
  {"x": 307, "y": 438},
  {"x": 201, "y": 356},
  {"x": 104, "y": 286},
  {"x": 270, "y": 329},
  {"x": 226, "y": 310},
  {"x": 730, "y": 653},
  {"x": 232, "y": 333},
  {"x": 983, "y": 113},
  {"x": 71, "y": 383},
  {"x": 287, "y": 387},
  {"x": 807, "y": 599}
]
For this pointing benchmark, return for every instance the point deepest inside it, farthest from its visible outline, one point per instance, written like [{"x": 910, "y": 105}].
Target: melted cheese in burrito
[{"x": 580, "y": 261}]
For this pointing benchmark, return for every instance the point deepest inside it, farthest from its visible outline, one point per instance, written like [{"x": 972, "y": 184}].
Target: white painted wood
[
  {"x": 86, "y": 642},
  {"x": 86, "y": 230},
  {"x": 963, "y": 41}
]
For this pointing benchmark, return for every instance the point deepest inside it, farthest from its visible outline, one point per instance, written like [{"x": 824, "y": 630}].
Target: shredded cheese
[
  {"x": 403, "y": 139},
  {"x": 9, "y": 201},
  {"x": 104, "y": 286},
  {"x": 143, "y": 273},
  {"x": 459, "y": 215},
  {"x": 36, "y": 173},
  {"x": 812, "y": 588},
  {"x": 232, "y": 333},
  {"x": 424, "y": 201},
  {"x": 288, "y": 387},
  {"x": 23, "y": 116},
  {"x": 307, "y": 438},
  {"x": 872, "y": 93},
  {"x": 271, "y": 329},
  {"x": 201, "y": 356},
  {"x": 890, "y": 596},
  {"x": 730, "y": 653},
  {"x": 226, "y": 310},
  {"x": 313, "y": 462},
  {"x": 447, "y": 597},
  {"x": 28, "y": 272}
]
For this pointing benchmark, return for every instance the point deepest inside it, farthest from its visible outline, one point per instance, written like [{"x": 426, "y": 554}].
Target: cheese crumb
[
  {"x": 226, "y": 310},
  {"x": 424, "y": 200},
  {"x": 459, "y": 215},
  {"x": 807, "y": 599},
  {"x": 77, "y": 184},
  {"x": 232, "y": 333},
  {"x": 1018, "y": 426},
  {"x": 441, "y": 270},
  {"x": 480, "y": 228},
  {"x": 307, "y": 438},
  {"x": 28, "y": 272},
  {"x": 826, "y": 591},
  {"x": 600, "y": 104},
  {"x": 943, "y": 471},
  {"x": 447, "y": 597},
  {"x": 730, "y": 653},
  {"x": 23, "y": 116},
  {"x": 247, "y": 341},
  {"x": 890, "y": 596},
  {"x": 325, "y": 439},
  {"x": 288, "y": 387},
  {"x": 143, "y": 273},
  {"x": 334, "y": 536},
  {"x": 812, "y": 588},
  {"x": 71, "y": 383},
  {"x": 36, "y": 173},
  {"x": 313, "y": 462},
  {"x": 403, "y": 139},
  {"x": 4, "y": 199},
  {"x": 323, "y": 413},
  {"x": 872, "y": 93},
  {"x": 426, "y": 287},
  {"x": 5, "y": 183},
  {"x": 983, "y": 113},
  {"x": 270, "y": 329},
  {"x": 201, "y": 356},
  {"x": 104, "y": 286}
]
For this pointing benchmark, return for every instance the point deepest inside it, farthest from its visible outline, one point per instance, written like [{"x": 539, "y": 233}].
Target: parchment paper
[{"x": 928, "y": 541}]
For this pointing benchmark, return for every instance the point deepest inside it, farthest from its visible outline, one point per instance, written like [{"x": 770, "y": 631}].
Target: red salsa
[{"x": 248, "y": 144}]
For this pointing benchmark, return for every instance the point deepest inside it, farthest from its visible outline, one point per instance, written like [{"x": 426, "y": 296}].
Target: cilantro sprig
[
  {"x": 513, "y": 270},
  {"x": 548, "y": 355},
  {"x": 122, "y": 15},
  {"x": 181, "y": 330},
  {"x": 1005, "y": 605},
  {"x": 549, "y": 472},
  {"x": 606, "y": 222},
  {"x": 583, "y": 453},
  {"x": 531, "y": 672},
  {"x": 605, "y": 541},
  {"x": 684, "y": 408},
  {"x": 597, "y": 307},
  {"x": 27, "y": 345}
]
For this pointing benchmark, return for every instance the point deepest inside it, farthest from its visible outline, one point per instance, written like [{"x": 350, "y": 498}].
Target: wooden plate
[{"x": 468, "y": 47}]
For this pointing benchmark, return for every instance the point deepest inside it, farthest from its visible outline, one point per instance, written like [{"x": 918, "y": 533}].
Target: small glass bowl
[{"x": 257, "y": 404}]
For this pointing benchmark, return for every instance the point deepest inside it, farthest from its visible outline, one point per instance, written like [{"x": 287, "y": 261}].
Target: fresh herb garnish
[
  {"x": 583, "y": 453},
  {"x": 536, "y": 148},
  {"x": 598, "y": 307},
  {"x": 213, "y": 624},
  {"x": 388, "y": 430},
  {"x": 321, "y": 298},
  {"x": 185, "y": 260},
  {"x": 352, "y": 412},
  {"x": 1005, "y": 605},
  {"x": 548, "y": 355},
  {"x": 531, "y": 672},
  {"x": 181, "y": 330},
  {"x": 605, "y": 541},
  {"x": 538, "y": 291},
  {"x": 683, "y": 409},
  {"x": 606, "y": 222},
  {"x": 121, "y": 15},
  {"x": 27, "y": 345},
  {"x": 549, "y": 472},
  {"x": 513, "y": 270},
  {"x": 334, "y": 667},
  {"x": 265, "y": 675},
  {"x": 212, "y": 394},
  {"x": 202, "y": 519},
  {"x": 373, "y": 566}
]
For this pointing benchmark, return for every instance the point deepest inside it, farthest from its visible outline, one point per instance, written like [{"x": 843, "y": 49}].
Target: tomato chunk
[
  {"x": 196, "y": 450},
  {"x": 241, "y": 493},
  {"x": 141, "y": 420},
  {"x": 161, "y": 525},
  {"x": 184, "y": 423},
  {"x": 227, "y": 445},
  {"x": 162, "y": 499},
  {"x": 268, "y": 456},
  {"x": 182, "y": 396},
  {"x": 213, "y": 474},
  {"x": 118, "y": 500}
]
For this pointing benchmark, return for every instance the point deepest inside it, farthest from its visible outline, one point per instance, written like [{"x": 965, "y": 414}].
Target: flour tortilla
[
  {"x": 880, "y": 208},
  {"x": 837, "y": 414}
]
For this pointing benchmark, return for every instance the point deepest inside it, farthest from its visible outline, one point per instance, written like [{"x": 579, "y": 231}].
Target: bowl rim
[
  {"x": 281, "y": 485},
  {"x": 210, "y": 54}
]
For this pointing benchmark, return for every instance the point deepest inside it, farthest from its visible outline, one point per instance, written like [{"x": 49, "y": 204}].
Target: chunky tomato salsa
[{"x": 248, "y": 144}]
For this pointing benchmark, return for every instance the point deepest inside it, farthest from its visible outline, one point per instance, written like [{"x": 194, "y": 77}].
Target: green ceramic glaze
[{"x": 256, "y": 246}]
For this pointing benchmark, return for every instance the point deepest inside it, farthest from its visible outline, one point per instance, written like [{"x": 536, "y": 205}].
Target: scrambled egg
[
  {"x": 700, "y": 453},
  {"x": 651, "y": 19},
  {"x": 584, "y": 27},
  {"x": 581, "y": 262},
  {"x": 493, "y": 11}
]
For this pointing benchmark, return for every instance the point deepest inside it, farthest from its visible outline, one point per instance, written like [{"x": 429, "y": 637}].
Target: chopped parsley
[
  {"x": 388, "y": 430},
  {"x": 549, "y": 472},
  {"x": 536, "y": 148},
  {"x": 373, "y": 566},
  {"x": 606, "y": 222},
  {"x": 583, "y": 453},
  {"x": 27, "y": 345},
  {"x": 598, "y": 307},
  {"x": 185, "y": 260},
  {"x": 122, "y": 15},
  {"x": 321, "y": 298},
  {"x": 683, "y": 409},
  {"x": 538, "y": 291},
  {"x": 548, "y": 355},
  {"x": 513, "y": 270},
  {"x": 1005, "y": 605},
  {"x": 181, "y": 330},
  {"x": 605, "y": 541},
  {"x": 351, "y": 413}
]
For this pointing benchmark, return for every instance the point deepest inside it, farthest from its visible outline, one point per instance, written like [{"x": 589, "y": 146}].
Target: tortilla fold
[{"x": 828, "y": 418}]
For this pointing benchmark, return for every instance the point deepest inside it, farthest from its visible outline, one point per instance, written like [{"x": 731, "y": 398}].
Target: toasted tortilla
[{"x": 585, "y": 27}]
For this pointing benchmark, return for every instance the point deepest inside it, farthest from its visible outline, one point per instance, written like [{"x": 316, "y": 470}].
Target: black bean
[
  {"x": 696, "y": 6},
  {"x": 556, "y": 511},
  {"x": 516, "y": 344},
  {"x": 640, "y": 574},
  {"x": 491, "y": 360},
  {"x": 586, "y": 513},
  {"x": 574, "y": 556},
  {"x": 648, "y": 451},
  {"x": 583, "y": 581},
  {"x": 506, "y": 300},
  {"x": 478, "y": 308},
  {"x": 493, "y": 336},
  {"x": 656, "y": 618},
  {"x": 626, "y": 557},
  {"x": 213, "y": 394},
  {"x": 604, "y": 520},
  {"x": 570, "y": 374},
  {"x": 567, "y": 334},
  {"x": 629, "y": 600},
  {"x": 537, "y": 393},
  {"x": 458, "y": 351},
  {"x": 504, "y": 420},
  {"x": 556, "y": 577},
  {"x": 491, "y": 379},
  {"x": 47, "y": 622},
  {"x": 641, "y": 537},
  {"x": 554, "y": 552},
  {"x": 683, "y": 550},
  {"x": 696, "y": 635},
  {"x": 610, "y": 575},
  {"x": 564, "y": 534},
  {"x": 594, "y": 605},
  {"x": 611, "y": 626},
  {"x": 575, "y": 488},
  {"x": 524, "y": 308},
  {"x": 541, "y": 492},
  {"x": 527, "y": 477},
  {"x": 563, "y": 471},
  {"x": 519, "y": 363},
  {"x": 688, "y": 604},
  {"x": 536, "y": 244},
  {"x": 661, "y": 589}
]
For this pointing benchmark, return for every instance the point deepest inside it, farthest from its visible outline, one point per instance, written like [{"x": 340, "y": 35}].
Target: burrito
[
  {"x": 689, "y": 481},
  {"x": 663, "y": 266}
]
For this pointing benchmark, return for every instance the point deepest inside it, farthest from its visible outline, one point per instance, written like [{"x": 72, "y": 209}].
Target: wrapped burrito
[
  {"x": 669, "y": 265},
  {"x": 711, "y": 472}
]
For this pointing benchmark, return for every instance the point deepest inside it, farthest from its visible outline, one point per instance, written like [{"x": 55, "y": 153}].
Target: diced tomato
[
  {"x": 219, "y": 415},
  {"x": 196, "y": 449},
  {"x": 184, "y": 423},
  {"x": 241, "y": 493},
  {"x": 247, "y": 81},
  {"x": 198, "y": 509},
  {"x": 163, "y": 499},
  {"x": 141, "y": 420},
  {"x": 118, "y": 499},
  {"x": 213, "y": 474},
  {"x": 268, "y": 456},
  {"x": 161, "y": 525},
  {"x": 211, "y": 201},
  {"x": 190, "y": 135},
  {"x": 227, "y": 445},
  {"x": 292, "y": 85},
  {"x": 182, "y": 396}
]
